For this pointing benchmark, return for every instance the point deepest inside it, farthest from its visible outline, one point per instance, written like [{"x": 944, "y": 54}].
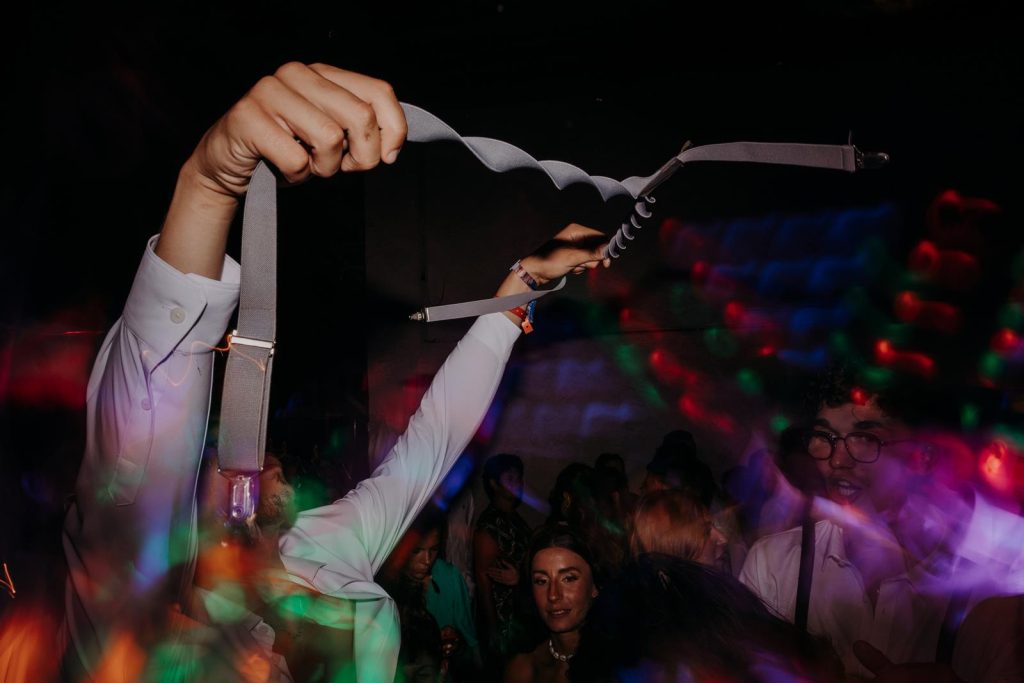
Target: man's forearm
[{"x": 195, "y": 231}]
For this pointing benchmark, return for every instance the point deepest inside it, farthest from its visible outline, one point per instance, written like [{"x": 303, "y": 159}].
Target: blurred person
[
  {"x": 415, "y": 574},
  {"x": 137, "y": 604},
  {"x": 500, "y": 543},
  {"x": 563, "y": 585},
  {"x": 611, "y": 469},
  {"x": 670, "y": 619},
  {"x": 899, "y": 554},
  {"x": 676, "y": 523},
  {"x": 675, "y": 465},
  {"x": 582, "y": 499}
]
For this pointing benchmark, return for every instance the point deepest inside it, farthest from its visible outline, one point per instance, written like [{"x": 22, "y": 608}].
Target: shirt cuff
[
  {"x": 169, "y": 310},
  {"x": 496, "y": 332}
]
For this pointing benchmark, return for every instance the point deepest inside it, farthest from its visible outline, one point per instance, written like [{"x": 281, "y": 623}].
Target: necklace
[{"x": 557, "y": 655}]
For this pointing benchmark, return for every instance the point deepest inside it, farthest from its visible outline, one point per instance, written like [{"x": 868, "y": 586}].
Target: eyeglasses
[{"x": 862, "y": 446}]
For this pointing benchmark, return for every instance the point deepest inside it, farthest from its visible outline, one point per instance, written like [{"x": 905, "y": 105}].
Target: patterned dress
[{"x": 512, "y": 534}]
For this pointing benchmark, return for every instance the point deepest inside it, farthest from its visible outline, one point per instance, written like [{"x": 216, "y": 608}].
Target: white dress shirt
[
  {"x": 130, "y": 535},
  {"x": 910, "y": 607}
]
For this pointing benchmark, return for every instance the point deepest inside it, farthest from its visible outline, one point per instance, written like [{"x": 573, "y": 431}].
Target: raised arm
[
  {"x": 305, "y": 120},
  {"x": 130, "y": 529},
  {"x": 380, "y": 509}
]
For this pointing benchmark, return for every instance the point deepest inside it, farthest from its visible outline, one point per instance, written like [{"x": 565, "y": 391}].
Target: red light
[
  {"x": 766, "y": 350},
  {"x": 907, "y": 306},
  {"x": 859, "y": 396},
  {"x": 734, "y": 314},
  {"x": 883, "y": 350},
  {"x": 699, "y": 272},
  {"x": 624, "y": 315},
  {"x": 1005, "y": 340},
  {"x": 924, "y": 259},
  {"x": 994, "y": 464}
]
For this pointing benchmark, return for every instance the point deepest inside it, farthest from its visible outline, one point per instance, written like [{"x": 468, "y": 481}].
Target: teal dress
[{"x": 447, "y": 600}]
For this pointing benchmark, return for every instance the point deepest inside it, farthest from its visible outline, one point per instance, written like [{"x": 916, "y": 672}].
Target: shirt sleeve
[
  {"x": 130, "y": 528},
  {"x": 379, "y": 510}
]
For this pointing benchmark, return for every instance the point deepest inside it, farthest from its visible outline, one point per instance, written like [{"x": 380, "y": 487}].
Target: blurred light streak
[
  {"x": 27, "y": 650},
  {"x": 910, "y": 361},
  {"x": 7, "y": 582},
  {"x": 951, "y": 268},
  {"x": 691, "y": 409}
]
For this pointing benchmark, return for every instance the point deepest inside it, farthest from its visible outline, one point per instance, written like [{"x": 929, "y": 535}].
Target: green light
[
  {"x": 779, "y": 423},
  {"x": 1011, "y": 316},
  {"x": 970, "y": 415},
  {"x": 310, "y": 493},
  {"x": 840, "y": 343},
  {"x": 749, "y": 382},
  {"x": 897, "y": 333},
  {"x": 629, "y": 360},
  {"x": 876, "y": 378},
  {"x": 991, "y": 365},
  {"x": 720, "y": 342}
]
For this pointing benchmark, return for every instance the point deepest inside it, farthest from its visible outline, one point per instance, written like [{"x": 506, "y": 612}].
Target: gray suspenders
[{"x": 246, "y": 393}]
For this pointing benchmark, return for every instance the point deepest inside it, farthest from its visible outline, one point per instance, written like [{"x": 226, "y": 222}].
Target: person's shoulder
[{"x": 778, "y": 541}]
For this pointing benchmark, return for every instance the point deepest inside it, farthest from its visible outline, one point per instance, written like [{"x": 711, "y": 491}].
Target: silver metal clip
[
  {"x": 235, "y": 338},
  {"x": 244, "y": 496}
]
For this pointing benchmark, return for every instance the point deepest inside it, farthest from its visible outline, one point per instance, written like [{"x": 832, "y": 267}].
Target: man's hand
[
  {"x": 887, "y": 672},
  {"x": 576, "y": 249},
  {"x": 305, "y": 120}
]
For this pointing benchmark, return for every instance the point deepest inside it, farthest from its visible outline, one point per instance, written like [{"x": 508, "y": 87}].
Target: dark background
[{"x": 103, "y": 103}]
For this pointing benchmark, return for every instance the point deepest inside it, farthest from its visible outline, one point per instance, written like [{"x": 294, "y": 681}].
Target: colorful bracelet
[
  {"x": 518, "y": 269},
  {"x": 525, "y": 315}
]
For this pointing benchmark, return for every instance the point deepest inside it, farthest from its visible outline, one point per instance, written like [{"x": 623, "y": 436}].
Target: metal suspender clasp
[
  {"x": 243, "y": 497},
  {"x": 868, "y": 161},
  {"x": 249, "y": 341}
]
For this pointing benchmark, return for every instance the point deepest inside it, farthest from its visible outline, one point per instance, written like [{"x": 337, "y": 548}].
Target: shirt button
[
  {"x": 177, "y": 315},
  {"x": 145, "y": 404}
]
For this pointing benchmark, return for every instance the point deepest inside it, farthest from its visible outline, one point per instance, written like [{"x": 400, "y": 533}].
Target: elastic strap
[{"x": 246, "y": 395}]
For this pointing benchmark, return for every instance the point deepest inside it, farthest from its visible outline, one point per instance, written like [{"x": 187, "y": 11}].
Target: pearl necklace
[{"x": 557, "y": 655}]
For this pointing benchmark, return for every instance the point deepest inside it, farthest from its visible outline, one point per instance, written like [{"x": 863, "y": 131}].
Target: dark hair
[
  {"x": 575, "y": 479},
  {"x": 431, "y": 518},
  {"x": 592, "y": 514},
  {"x": 667, "y": 611},
  {"x": 496, "y": 466},
  {"x": 685, "y": 473},
  {"x": 610, "y": 460},
  {"x": 558, "y": 535},
  {"x": 914, "y": 400}
]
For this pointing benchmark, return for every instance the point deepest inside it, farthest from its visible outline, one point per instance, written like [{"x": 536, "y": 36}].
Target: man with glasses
[{"x": 898, "y": 557}]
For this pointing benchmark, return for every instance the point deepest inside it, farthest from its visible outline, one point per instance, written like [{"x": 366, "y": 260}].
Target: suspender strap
[
  {"x": 806, "y": 576},
  {"x": 500, "y": 156},
  {"x": 244, "y": 403},
  {"x": 956, "y": 611}
]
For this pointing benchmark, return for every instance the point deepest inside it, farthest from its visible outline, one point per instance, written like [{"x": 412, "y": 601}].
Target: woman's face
[{"x": 563, "y": 588}]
